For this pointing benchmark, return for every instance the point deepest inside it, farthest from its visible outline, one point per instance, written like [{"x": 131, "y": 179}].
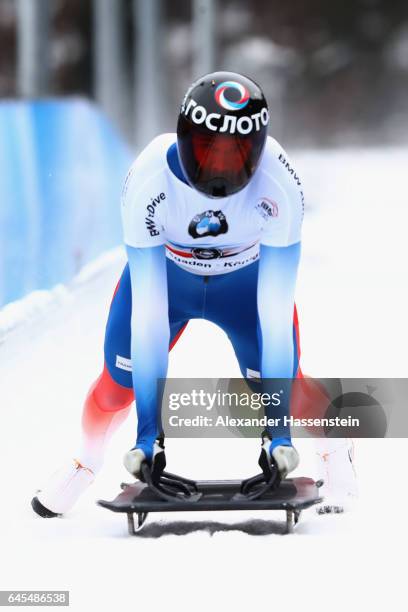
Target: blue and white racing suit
[{"x": 232, "y": 261}]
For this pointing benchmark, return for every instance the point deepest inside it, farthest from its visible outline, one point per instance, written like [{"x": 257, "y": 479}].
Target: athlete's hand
[
  {"x": 133, "y": 461},
  {"x": 286, "y": 458},
  {"x": 134, "y": 458}
]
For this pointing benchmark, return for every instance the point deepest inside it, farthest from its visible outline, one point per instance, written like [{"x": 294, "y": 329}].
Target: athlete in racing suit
[{"x": 198, "y": 246}]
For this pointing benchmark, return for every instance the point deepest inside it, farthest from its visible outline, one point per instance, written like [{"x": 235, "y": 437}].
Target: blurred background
[
  {"x": 84, "y": 84},
  {"x": 334, "y": 72}
]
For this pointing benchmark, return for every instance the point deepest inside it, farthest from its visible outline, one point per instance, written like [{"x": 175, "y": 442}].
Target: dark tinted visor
[{"x": 219, "y": 164}]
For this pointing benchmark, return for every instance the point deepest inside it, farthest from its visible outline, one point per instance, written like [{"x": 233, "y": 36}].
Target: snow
[{"x": 352, "y": 297}]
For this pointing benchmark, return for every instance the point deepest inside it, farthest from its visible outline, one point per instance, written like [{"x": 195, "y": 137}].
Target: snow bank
[{"x": 39, "y": 303}]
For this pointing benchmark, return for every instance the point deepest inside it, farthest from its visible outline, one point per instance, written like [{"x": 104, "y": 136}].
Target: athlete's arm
[
  {"x": 144, "y": 238},
  {"x": 279, "y": 259},
  {"x": 276, "y": 298},
  {"x": 150, "y": 334}
]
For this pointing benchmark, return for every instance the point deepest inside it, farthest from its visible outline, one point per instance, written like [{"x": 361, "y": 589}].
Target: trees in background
[{"x": 334, "y": 72}]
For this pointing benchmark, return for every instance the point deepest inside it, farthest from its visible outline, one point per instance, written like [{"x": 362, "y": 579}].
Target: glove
[
  {"x": 134, "y": 458},
  {"x": 287, "y": 459},
  {"x": 133, "y": 461},
  {"x": 284, "y": 454}
]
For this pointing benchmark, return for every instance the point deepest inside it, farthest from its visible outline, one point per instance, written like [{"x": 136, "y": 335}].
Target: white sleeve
[
  {"x": 143, "y": 198},
  {"x": 282, "y": 210}
]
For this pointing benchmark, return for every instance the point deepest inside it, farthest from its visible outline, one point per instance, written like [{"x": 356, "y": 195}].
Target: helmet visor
[{"x": 217, "y": 164}]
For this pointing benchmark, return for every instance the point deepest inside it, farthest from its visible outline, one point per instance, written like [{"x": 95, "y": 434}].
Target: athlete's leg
[
  {"x": 106, "y": 407},
  {"x": 108, "y": 401},
  {"x": 109, "y": 398},
  {"x": 233, "y": 307},
  {"x": 232, "y": 304}
]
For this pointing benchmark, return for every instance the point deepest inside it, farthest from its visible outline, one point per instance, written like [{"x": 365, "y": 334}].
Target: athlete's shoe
[
  {"x": 63, "y": 489},
  {"x": 336, "y": 469}
]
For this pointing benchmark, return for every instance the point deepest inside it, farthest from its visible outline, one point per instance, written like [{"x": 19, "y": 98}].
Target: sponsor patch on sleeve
[{"x": 123, "y": 363}]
